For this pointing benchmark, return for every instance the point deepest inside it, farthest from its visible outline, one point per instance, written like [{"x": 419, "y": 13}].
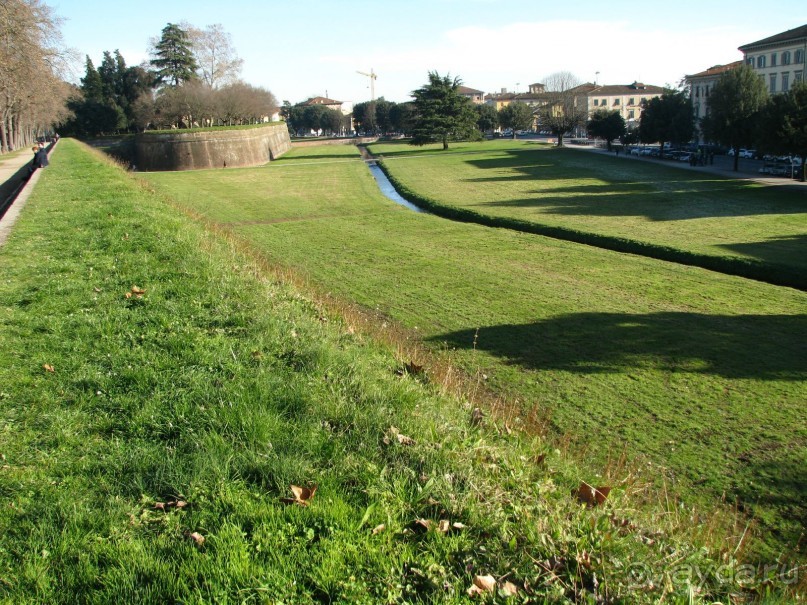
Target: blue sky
[{"x": 304, "y": 48}]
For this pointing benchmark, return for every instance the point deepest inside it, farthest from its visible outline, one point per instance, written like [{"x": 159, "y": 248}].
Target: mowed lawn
[
  {"x": 695, "y": 371},
  {"x": 620, "y": 197}
]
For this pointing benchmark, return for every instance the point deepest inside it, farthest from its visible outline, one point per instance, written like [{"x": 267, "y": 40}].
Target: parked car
[{"x": 748, "y": 153}]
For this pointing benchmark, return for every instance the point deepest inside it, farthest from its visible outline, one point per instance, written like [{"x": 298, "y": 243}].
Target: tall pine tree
[{"x": 174, "y": 60}]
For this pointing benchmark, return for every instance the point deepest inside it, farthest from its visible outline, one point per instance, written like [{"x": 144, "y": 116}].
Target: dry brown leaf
[
  {"x": 378, "y": 529},
  {"x": 508, "y": 589},
  {"x": 477, "y": 417},
  {"x": 135, "y": 291},
  {"x": 180, "y": 504},
  {"x": 97, "y": 290},
  {"x": 443, "y": 526},
  {"x": 426, "y": 524},
  {"x": 48, "y": 368},
  {"x": 404, "y": 440},
  {"x": 128, "y": 295},
  {"x": 302, "y": 495},
  {"x": 593, "y": 496},
  {"x": 197, "y": 537},
  {"x": 159, "y": 506},
  {"x": 413, "y": 368},
  {"x": 458, "y": 525},
  {"x": 482, "y": 585}
]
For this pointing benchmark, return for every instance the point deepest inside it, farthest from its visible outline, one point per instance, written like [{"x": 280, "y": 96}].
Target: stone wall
[
  {"x": 211, "y": 149},
  {"x": 341, "y": 141}
]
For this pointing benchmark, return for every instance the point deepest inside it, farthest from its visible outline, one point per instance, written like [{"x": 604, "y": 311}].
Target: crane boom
[{"x": 373, "y": 76}]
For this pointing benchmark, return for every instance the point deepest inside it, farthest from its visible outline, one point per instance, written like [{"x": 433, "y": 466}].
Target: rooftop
[
  {"x": 791, "y": 35},
  {"x": 716, "y": 70},
  {"x": 322, "y": 101}
]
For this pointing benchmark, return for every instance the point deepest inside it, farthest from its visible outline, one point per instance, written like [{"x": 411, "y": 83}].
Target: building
[
  {"x": 628, "y": 99},
  {"x": 476, "y": 96},
  {"x": 778, "y": 59},
  {"x": 329, "y": 103},
  {"x": 700, "y": 86}
]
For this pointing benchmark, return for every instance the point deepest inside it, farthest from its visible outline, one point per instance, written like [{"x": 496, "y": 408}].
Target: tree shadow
[
  {"x": 766, "y": 347},
  {"x": 773, "y": 250},
  {"x": 663, "y": 195}
]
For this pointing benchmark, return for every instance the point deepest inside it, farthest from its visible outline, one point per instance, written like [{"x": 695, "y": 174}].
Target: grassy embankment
[
  {"x": 620, "y": 203},
  {"x": 701, "y": 373},
  {"x": 148, "y": 435}
]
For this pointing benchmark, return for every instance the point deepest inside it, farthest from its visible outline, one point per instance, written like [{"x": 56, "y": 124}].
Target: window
[
  {"x": 773, "y": 59},
  {"x": 750, "y": 61},
  {"x": 798, "y": 77},
  {"x": 785, "y": 82},
  {"x": 786, "y": 58},
  {"x": 760, "y": 61},
  {"x": 630, "y": 114},
  {"x": 697, "y": 110},
  {"x": 616, "y": 101},
  {"x": 596, "y": 102},
  {"x": 632, "y": 101},
  {"x": 603, "y": 103},
  {"x": 644, "y": 100},
  {"x": 799, "y": 57},
  {"x": 773, "y": 82}
]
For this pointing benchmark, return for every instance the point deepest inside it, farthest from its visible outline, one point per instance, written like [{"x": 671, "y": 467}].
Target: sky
[{"x": 304, "y": 48}]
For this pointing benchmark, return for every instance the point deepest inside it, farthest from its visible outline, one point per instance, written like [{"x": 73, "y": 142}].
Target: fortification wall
[{"x": 211, "y": 149}]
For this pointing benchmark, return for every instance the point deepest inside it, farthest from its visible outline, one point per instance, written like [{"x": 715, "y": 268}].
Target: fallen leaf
[
  {"x": 128, "y": 295},
  {"x": 48, "y": 368},
  {"x": 508, "y": 589},
  {"x": 404, "y": 440},
  {"x": 180, "y": 504},
  {"x": 593, "y": 496},
  {"x": 426, "y": 524},
  {"x": 139, "y": 292},
  {"x": 302, "y": 495},
  {"x": 477, "y": 417},
  {"x": 378, "y": 529},
  {"x": 97, "y": 290},
  {"x": 458, "y": 525},
  {"x": 159, "y": 506},
  {"x": 443, "y": 526},
  {"x": 481, "y": 585},
  {"x": 413, "y": 368},
  {"x": 197, "y": 537}
]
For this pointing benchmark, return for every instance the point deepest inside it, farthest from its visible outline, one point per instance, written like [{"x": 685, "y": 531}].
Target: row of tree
[
  {"x": 31, "y": 93},
  {"x": 191, "y": 80}
]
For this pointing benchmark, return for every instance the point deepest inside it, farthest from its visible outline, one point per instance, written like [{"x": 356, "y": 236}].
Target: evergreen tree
[
  {"x": 91, "y": 84},
  {"x": 487, "y": 118},
  {"x": 174, "y": 60},
  {"x": 442, "y": 113},
  {"x": 608, "y": 125},
  {"x": 667, "y": 119},
  {"x": 516, "y": 116},
  {"x": 734, "y": 109}
]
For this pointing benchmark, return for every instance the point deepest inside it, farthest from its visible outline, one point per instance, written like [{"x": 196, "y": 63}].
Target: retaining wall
[{"x": 211, "y": 149}]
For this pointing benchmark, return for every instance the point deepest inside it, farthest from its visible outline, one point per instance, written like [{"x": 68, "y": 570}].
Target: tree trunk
[
  {"x": 736, "y": 160},
  {"x": 560, "y": 139},
  {"x": 803, "y": 168},
  {"x": 445, "y": 143}
]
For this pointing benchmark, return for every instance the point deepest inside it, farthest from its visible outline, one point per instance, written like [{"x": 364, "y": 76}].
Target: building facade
[
  {"x": 778, "y": 59},
  {"x": 476, "y": 97},
  {"x": 628, "y": 99},
  {"x": 701, "y": 85}
]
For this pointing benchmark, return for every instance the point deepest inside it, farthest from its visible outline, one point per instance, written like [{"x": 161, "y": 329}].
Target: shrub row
[{"x": 772, "y": 273}]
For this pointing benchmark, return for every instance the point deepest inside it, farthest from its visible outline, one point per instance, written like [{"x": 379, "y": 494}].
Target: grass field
[
  {"x": 160, "y": 394},
  {"x": 619, "y": 197},
  {"x": 698, "y": 372}
]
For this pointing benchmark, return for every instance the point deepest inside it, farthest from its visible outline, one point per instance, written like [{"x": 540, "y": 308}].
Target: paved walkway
[{"x": 9, "y": 166}]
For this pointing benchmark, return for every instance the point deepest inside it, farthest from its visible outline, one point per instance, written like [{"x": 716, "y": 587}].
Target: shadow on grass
[
  {"x": 773, "y": 250},
  {"x": 766, "y": 347},
  {"x": 303, "y": 157},
  {"x": 644, "y": 190}
]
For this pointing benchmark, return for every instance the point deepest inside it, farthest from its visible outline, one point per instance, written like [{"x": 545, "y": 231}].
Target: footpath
[{"x": 14, "y": 188}]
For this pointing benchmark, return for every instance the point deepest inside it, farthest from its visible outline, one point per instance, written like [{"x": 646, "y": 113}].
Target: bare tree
[
  {"x": 31, "y": 94},
  {"x": 218, "y": 62},
  {"x": 566, "y": 105}
]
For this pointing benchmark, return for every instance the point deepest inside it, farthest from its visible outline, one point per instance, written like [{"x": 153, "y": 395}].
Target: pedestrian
[{"x": 40, "y": 158}]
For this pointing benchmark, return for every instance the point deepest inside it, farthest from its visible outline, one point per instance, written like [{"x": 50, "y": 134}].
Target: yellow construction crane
[{"x": 373, "y": 76}]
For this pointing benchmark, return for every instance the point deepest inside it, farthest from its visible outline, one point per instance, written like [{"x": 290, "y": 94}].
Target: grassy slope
[
  {"x": 222, "y": 389},
  {"x": 702, "y": 372},
  {"x": 697, "y": 212}
]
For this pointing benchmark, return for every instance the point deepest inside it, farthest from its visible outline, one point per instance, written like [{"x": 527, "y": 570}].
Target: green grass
[
  {"x": 221, "y": 387},
  {"x": 211, "y": 128},
  {"x": 699, "y": 373},
  {"x": 621, "y": 198}
]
